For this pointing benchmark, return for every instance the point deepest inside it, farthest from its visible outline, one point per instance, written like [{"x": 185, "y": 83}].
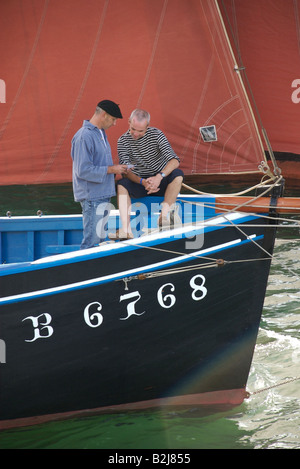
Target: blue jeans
[{"x": 95, "y": 215}]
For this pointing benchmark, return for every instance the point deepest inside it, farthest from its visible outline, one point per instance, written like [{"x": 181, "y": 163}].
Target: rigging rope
[
  {"x": 178, "y": 270},
  {"x": 213, "y": 262},
  {"x": 261, "y": 183},
  {"x": 249, "y": 238},
  {"x": 287, "y": 381},
  {"x": 242, "y": 69},
  {"x": 236, "y": 208}
]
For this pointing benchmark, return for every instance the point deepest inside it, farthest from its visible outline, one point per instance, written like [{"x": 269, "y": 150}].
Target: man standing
[
  {"x": 93, "y": 171},
  {"x": 155, "y": 170}
]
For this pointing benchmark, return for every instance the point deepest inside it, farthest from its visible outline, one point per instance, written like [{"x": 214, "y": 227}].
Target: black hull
[{"x": 148, "y": 340}]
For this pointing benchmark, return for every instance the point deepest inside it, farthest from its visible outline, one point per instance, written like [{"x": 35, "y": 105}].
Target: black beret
[{"x": 111, "y": 108}]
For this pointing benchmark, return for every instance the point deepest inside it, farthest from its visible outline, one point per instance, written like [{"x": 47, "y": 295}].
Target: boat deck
[{"x": 25, "y": 239}]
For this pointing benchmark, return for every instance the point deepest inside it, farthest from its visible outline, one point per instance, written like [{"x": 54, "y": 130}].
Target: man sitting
[{"x": 155, "y": 170}]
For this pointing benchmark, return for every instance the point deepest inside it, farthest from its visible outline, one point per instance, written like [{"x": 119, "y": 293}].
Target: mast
[{"x": 237, "y": 69}]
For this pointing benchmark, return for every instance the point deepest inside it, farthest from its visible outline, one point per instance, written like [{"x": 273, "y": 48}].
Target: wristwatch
[{"x": 162, "y": 174}]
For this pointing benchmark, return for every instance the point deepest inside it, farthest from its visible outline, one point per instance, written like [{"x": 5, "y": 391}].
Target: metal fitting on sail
[{"x": 239, "y": 69}]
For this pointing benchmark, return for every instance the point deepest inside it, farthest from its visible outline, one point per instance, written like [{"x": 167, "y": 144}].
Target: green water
[
  {"x": 269, "y": 419},
  {"x": 27, "y": 200},
  {"x": 151, "y": 430}
]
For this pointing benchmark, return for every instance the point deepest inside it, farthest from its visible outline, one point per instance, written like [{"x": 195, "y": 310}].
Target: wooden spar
[{"x": 288, "y": 205}]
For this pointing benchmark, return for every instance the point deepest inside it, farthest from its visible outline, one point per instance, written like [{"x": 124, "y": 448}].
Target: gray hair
[
  {"x": 140, "y": 115},
  {"x": 98, "y": 110}
]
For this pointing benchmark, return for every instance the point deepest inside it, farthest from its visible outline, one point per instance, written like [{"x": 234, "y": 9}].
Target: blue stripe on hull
[{"x": 144, "y": 269}]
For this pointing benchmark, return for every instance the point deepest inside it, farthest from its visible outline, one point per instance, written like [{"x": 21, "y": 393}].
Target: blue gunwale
[{"x": 112, "y": 249}]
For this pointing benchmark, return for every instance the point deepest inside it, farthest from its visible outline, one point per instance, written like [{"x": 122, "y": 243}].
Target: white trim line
[{"x": 116, "y": 276}]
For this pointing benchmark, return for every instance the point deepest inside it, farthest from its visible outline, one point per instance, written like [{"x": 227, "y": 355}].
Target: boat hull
[{"x": 117, "y": 331}]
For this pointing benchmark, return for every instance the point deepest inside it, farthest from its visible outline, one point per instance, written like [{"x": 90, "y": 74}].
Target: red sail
[
  {"x": 267, "y": 35},
  {"x": 171, "y": 57}
]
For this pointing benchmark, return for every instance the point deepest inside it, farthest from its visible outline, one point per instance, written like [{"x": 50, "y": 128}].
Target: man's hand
[
  {"x": 152, "y": 183},
  {"x": 117, "y": 169}
]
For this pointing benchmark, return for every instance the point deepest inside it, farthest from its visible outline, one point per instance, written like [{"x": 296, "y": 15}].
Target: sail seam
[
  {"x": 27, "y": 68},
  {"x": 79, "y": 96},
  {"x": 158, "y": 31},
  {"x": 296, "y": 9}
]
